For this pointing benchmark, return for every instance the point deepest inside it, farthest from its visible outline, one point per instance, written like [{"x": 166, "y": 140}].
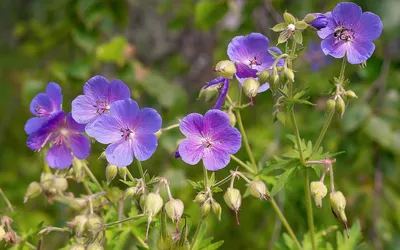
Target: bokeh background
[{"x": 165, "y": 51}]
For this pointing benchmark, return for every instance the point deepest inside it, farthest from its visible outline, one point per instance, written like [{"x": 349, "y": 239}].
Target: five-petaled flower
[
  {"x": 98, "y": 96},
  {"x": 128, "y": 130},
  {"x": 210, "y": 138},
  {"x": 44, "y": 106},
  {"x": 350, "y": 33},
  {"x": 64, "y": 134}
]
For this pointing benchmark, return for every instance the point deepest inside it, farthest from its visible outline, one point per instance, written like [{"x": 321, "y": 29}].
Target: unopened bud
[
  {"x": 225, "y": 68},
  {"x": 2, "y": 233},
  {"x": 130, "y": 192},
  {"x": 122, "y": 172},
  {"x": 340, "y": 106},
  {"x": 233, "y": 199},
  {"x": 209, "y": 94},
  {"x": 274, "y": 83},
  {"x": 174, "y": 209},
  {"x": 79, "y": 224},
  {"x": 94, "y": 223},
  {"x": 46, "y": 181},
  {"x": 309, "y": 18},
  {"x": 77, "y": 247},
  {"x": 205, "y": 209},
  {"x": 330, "y": 105},
  {"x": 111, "y": 172},
  {"x": 318, "y": 191},
  {"x": 338, "y": 205},
  {"x": 259, "y": 190},
  {"x": 351, "y": 94},
  {"x": 34, "y": 189},
  {"x": 250, "y": 87},
  {"x": 216, "y": 207},
  {"x": 263, "y": 77},
  {"x": 78, "y": 169},
  {"x": 95, "y": 246},
  {"x": 103, "y": 155},
  {"x": 289, "y": 74},
  {"x": 60, "y": 184},
  {"x": 200, "y": 198},
  {"x": 142, "y": 201},
  {"x": 153, "y": 204}
]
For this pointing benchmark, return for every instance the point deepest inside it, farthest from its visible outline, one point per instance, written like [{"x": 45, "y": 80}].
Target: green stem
[
  {"x": 91, "y": 176},
  {"x": 342, "y": 70},
  {"x": 241, "y": 163},
  {"x": 9, "y": 205},
  {"x": 309, "y": 210},
  {"x": 245, "y": 140},
  {"x": 323, "y": 132},
  {"x": 205, "y": 177},
  {"x": 170, "y": 127},
  {"x": 140, "y": 169},
  {"x": 130, "y": 175},
  {"x": 278, "y": 59},
  {"x": 140, "y": 240},
  {"x": 297, "y": 134},
  {"x": 196, "y": 233},
  {"x": 123, "y": 220}
]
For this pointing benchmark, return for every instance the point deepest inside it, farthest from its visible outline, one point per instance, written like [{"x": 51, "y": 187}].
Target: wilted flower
[
  {"x": 350, "y": 32},
  {"x": 318, "y": 191},
  {"x": 98, "y": 96},
  {"x": 320, "y": 21},
  {"x": 210, "y": 138},
  {"x": 64, "y": 134},
  {"x": 44, "y": 106},
  {"x": 129, "y": 131}
]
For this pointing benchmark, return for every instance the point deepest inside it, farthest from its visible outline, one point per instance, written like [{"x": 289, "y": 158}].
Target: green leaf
[
  {"x": 215, "y": 245},
  {"x": 208, "y": 12},
  {"x": 345, "y": 243},
  {"x": 196, "y": 185},
  {"x": 301, "y": 25},
  {"x": 283, "y": 180},
  {"x": 113, "y": 51},
  {"x": 273, "y": 53},
  {"x": 289, "y": 18},
  {"x": 281, "y": 117},
  {"x": 282, "y": 38},
  {"x": 280, "y": 27},
  {"x": 298, "y": 37}
]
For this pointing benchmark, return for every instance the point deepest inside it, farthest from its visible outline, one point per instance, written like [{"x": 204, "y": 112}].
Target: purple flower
[
  {"x": 43, "y": 106},
  {"x": 316, "y": 57},
  {"x": 320, "y": 21},
  {"x": 128, "y": 130},
  {"x": 64, "y": 134},
  {"x": 350, "y": 32},
  {"x": 250, "y": 55},
  {"x": 98, "y": 96},
  {"x": 210, "y": 138}
]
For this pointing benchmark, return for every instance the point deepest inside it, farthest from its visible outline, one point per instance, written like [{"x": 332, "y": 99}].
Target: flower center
[
  {"x": 254, "y": 62},
  {"x": 127, "y": 133},
  {"x": 291, "y": 27},
  {"x": 102, "y": 107},
  {"x": 343, "y": 34},
  {"x": 206, "y": 143},
  {"x": 40, "y": 111}
]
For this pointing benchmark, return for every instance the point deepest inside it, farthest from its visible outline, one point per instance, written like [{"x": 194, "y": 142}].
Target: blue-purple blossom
[
  {"x": 43, "y": 106},
  {"x": 98, "y": 96},
  {"x": 350, "y": 33},
  {"x": 209, "y": 138},
  {"x": 129, "y": 131},
  {"x": 64, "y": 135},
  {"x": 316, "y": 57},
  {"x": 320, "y": 21},
  {"x": 250, "y": 55}
]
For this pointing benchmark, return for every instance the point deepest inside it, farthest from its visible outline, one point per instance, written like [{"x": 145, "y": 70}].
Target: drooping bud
[
  {"x": 60, "y": 184},
  {"x": 111, "y": 172},
  {"x": 225, "y": 68},
  {"x": 216, "y": 207},
  {"x": 209, "y": 94},
  {"x": 77, "y": 247},
  {"x": 289, "y": 74},
  {"x": 34, "y": 189},
  {"x": 205, "y": 209},
  {"x": 95, "y": 246},
  {"x": 94, "y": 223},
  {"x": 233, "y": 199},
  {"x": 200, "y": 198},
  {"x": 330, "y": 105},
  {"x": 274, "y": 83},
  {"x": 338, "y": 205},
  {"x": 46, "y": 181},
  {"x": 259, "y": 190},
  {"x": 122, "y": 172},
  {"x": 263, "y": 77},
  {"x": 351, "y": 94},
  {"x": 340, "y": 106},
  {"x": 130, "y": 192},
  {"x": 142, "y": 201},
  {"x": 153, "y": 204},
  {"x": 320, "y": 21},
  {"x": 174, "y": 209},
  {"x": 79, "y": 224},
  {"x": 250, "y": 87},
  {"x": 78, "y": 169},
  {"x": 232, "y": 118},
  {"x": 318, "y": 191}
]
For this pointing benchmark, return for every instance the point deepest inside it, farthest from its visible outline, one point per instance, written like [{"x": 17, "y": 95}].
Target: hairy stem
[
  {"x": 242, "y": 164},
  {"x": 7, "y": 201},
  {"x": 245, "y": 140},
  {"x": 140, "y": 169},
  {"x": 323, "y": 132},
  {"x": 309, "y": 210},
  {"x": 122, "y": 221},
  {"x": 297, "y": 134},
  {"x": 91, "y": 175}
]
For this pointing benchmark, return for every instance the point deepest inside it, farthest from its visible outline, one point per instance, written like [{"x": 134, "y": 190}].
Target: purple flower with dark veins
[
  {"x": 129, "y": 131},
  {"x": 44, "y": 106},
  {"x": 64, "y": 135},
  {"x": 350, "y": 33},
  {"x": 98, "y": 96},
  {"x": 209, "y": 138},
  {"x": 250, "y": 55}
]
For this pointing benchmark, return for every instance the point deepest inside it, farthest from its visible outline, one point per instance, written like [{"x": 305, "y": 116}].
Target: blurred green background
[{"x": 165, "y": 51}]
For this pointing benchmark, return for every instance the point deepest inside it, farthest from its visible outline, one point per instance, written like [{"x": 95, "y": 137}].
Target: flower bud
[
  {"x": 79, "y": 224},
  {"x": 340, "y": 106},
  {"x": 46, "y": 181},
  {"x": 77, "y": 247},
  {"x": 153, "y": 204},
  {"x": 289, "y": 74},
  {"x": 233, "y": 199},
  {"x": 216, "y": 207},
  {"x": 174, "y": 209},
  {"x": 351, "y": 94},
  {"x": 94, "y": 223},
  {"x": 122, "y": 172},
  {"x": 209, "y": 94},
  {"x": 111, "y": 172},
  {"x": 95, "y": 246},
  {"x": 250, "y": 87},
  {"x": 205, "y": 209},
  {"x": 318, "y": 191},
  {"x": 274, "y": 84},
  {"x": 2, "y": 233},
  {"x": 320, "y": 21},
  {"x": 225, "y": 68},
  {"x": 142, "y": 201},
  {"x": 60, "y": 184},
  {"x": 330, "y": 105},
  {"x": 232, "y": 118},
  {"x": 34, "y": 189},
  {"x": 309, "y": 18},
  {"x": 263, "y": 77},
  {"x": 130, "y": 192},
  {"x": 259, "y": 190},
  {"x": 200, "y": 198},
  {"x": 78, "y": 169},
  {"x": 338, "y": 205}
]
